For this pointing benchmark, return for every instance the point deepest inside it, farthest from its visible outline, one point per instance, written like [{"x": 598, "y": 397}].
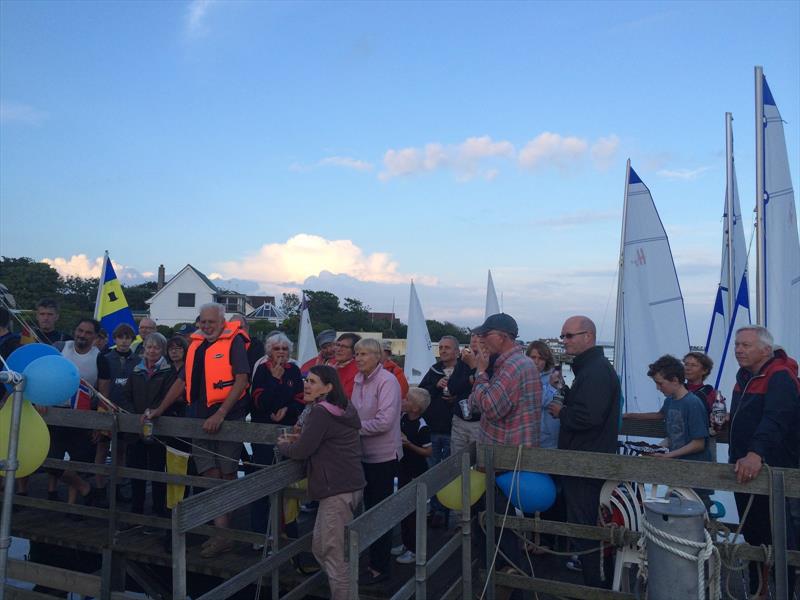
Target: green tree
[
  {"x": 290, "y": 304},
  {"x": 136, "y": 295},
  {"x": 29, "y": 281},
  {"x": 324, "y": 308},
  {"x": 355, "y": 316},
  {"x": 79, "y": 293},
  {"x": 437, "y": 329}
]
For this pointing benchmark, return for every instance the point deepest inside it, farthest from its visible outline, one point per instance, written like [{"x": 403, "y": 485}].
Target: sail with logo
[
  {"x": 650, "y": 320},
  {"x": 419, "y": 350}
]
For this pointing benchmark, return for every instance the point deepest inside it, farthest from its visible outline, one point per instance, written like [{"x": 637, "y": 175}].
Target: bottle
[
  {"x": 718, "y": 412},
  {"x": 147, "y": 427}
]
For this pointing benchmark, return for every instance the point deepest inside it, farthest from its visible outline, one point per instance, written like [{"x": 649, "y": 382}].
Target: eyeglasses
[
  {"x": 488, "y": 333},
  {"x": 284, "y": 348},
  {"x": 569, "y": 336}
]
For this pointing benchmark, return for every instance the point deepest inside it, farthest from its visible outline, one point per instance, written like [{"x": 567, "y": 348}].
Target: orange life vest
[{"x": 218, "y": 371}]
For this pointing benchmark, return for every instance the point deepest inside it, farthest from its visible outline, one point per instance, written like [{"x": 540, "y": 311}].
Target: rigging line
[{"x": 608, "y": 300}]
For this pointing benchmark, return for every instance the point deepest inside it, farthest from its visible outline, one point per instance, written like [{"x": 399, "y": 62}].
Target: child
[
  {"x": 417, "y": 448},
  {"x": 685, "y": 414}
]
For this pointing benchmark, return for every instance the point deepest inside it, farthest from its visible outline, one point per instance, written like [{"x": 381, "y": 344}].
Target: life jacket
[{"x": 218, "y": 372}]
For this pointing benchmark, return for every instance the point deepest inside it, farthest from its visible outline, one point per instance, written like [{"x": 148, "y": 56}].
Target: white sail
[
  {"x": 419, "y": 352},
  {"x": 778, "y": 291},
  {"x": 651, "y": 320},
  {"x": 731, "y": 308},
  {"x": 492, "y": 306},
  {"x": 306, "y": 344}
]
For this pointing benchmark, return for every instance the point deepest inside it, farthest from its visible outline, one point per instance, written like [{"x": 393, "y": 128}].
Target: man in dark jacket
[
  {"x": 765, "y": 413},
  {"x": 589, "y": 422}
]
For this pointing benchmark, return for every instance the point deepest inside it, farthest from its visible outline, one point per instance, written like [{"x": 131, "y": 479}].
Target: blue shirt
[{"x": 686, "y": 420}]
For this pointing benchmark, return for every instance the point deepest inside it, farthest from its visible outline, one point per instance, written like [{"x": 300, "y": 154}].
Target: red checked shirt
[{"x": 510, "y": 402}]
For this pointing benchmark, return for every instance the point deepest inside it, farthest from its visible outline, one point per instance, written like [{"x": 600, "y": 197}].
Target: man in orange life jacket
[{"x": 215, "y": 379}]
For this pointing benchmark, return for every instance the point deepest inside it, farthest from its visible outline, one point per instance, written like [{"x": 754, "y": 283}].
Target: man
[
  {"x": 590, "y": 422},
  {"x": 510, "y": 402},
  {"x": 46, "y": 319},
  {"x": 376, "y": 397},
  {"x": 764, "y": 430},
  {"x": 146, "y": 327},
  {"x": 343, "y": 361},
  {"x": 327, "y": 348},
  {"x": 215, "y": 379}
]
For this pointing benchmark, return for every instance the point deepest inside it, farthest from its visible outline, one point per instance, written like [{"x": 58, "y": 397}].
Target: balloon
[
  {"x": 450, "y": 495},
  {"x": 34, "y": 437},
  {"x": 533, "y": 492},
  {"x": 25, "y": 355},
  {"x": 50, "y": 380}
]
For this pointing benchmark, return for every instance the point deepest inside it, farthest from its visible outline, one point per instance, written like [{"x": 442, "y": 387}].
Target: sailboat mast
[
  {"x": 729, "y": 217},
  {"x": 619, "y": 331},
  {"x": 761, "y": 272}
]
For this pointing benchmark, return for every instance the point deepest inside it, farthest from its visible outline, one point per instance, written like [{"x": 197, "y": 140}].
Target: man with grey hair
[
  {"x": 146, "y": 327},
  {"x": 765, "y": 413}
]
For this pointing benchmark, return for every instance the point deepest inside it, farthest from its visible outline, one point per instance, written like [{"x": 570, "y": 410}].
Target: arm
[
  {"x": 779, "y": 416},
  {"x": 692, "y": 447},
  {"x": 310, "y": 437},
  {"x": 425, "y": 451},
  {"x": 388, "y": 413},
  {"x": 492, "y": 397},
  {"x": 585, "y": 408},
  {"x": 430, "y": 380},
  {"x": 174, "y": 392},
  {"x": 648, "y": 416}
]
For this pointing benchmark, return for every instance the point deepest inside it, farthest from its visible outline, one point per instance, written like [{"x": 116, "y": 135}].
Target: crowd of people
[{"x": 351, "y": 415}]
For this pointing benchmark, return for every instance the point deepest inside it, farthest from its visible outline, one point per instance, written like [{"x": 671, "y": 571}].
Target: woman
[
  {"x": 145, "y": 389},
  {"x": 697, "y": 367},
  {"x": 330, "y": 443},
  {"x": 552, "y": 383},
  {"x": 176, "y": 352}
]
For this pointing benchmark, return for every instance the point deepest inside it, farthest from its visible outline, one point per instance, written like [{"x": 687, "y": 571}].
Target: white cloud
[
  {"x": 345, "y": 162},
  {"x": 604, "y": 150},
  {"x": 12, "y": 112},
  {"x": 196, "y": 16},
  {"x": 551, "y": 149},
  {"x": 80, "y": 265},
  {"x": 465, "y": 159},
  {"x": 305, "y": 255},
  {"x": 683, "y": 174},
  {"x": 410, "y": 161}
]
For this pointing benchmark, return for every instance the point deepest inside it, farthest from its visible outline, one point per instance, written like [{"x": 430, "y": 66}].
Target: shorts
[
  {"x": 214, "y": 454},
  {"x": 75, "y": 442}
]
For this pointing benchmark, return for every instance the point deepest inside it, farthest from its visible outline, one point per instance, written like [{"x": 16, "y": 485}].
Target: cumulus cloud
[
  {"x": 80, "y": 265},
  {"x": 682, "y": 174},
  {"x": 345, "y": 162},
  {"x": 196, "y": 16},
  {"x": 305, "y": 255},
  {"x": 552, "y": 150},
  {"x": 12, "y": 112}
]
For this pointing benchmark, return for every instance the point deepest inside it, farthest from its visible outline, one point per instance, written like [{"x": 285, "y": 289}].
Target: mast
[
  {"x": 619, "y": 330},
  {"x": 761, "y": 272},
  {"x": 729, "y": 218}
]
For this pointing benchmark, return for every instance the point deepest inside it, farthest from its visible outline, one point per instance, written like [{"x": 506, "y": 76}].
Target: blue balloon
[
  {"x": 533, "y": 492},
  {"x": 50, "y": 380},
  {"x": 25, "y": 355}
]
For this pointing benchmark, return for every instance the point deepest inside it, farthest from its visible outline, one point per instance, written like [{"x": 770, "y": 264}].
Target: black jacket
[
  {"x": 120, "y": 367},
  {"x": 590, "y": 417},
  {"x": 142, "y": 392},
  {"x": 439, "y": 415},
  {"x": 765, "y": 413}
]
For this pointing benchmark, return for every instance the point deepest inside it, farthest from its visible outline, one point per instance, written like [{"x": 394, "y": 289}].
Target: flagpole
[
  {"x": 732, "y": 283},
  {"x": 761, "y": 271},
  {"x": 100, "y": 288}
]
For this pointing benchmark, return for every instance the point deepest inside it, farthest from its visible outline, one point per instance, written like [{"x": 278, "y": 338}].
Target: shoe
[
  {"x": 398, "y": 550},
  {"x": 574, "y": 563},
  {"x": 371, "y": 578},
  {"x": 257, "y": 547},
  {"x": 215, "y": 547},
  {"x": 407, "y": 558}
]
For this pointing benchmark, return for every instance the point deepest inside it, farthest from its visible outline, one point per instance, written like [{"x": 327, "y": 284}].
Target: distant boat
[
  {"x": 777, "y": 242},
  {"x": 732, "y": 303},
  {"x": 492, "y": 306},
  {"x": 419, "y": 350},
  {"x": 650, "y": 320}
]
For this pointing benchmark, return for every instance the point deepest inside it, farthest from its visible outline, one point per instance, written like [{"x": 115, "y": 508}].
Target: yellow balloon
[
  {"x": 450, "y": 495},
  {"x": 34, "y": 437}
]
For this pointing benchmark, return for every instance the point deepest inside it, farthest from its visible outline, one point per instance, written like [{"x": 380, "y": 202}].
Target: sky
[{"x": 353, "y": 147}]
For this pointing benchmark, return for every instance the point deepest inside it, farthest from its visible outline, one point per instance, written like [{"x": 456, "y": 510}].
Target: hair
[
  {"x": 157, "y": 339},
  {"x": 103, "y": 333},
  {"x": 669, "y": 367},
  {"x": 353, "y": 337},
  {"x": 369, "y": 345},
  {"x": 178, "y": 340},
  {"x": 420, "y": 397},
  {"x": 452, "y": 338},
  {"x": 93, "y": 322},
  {"x": 47, "y": 303},
  {"x": 704, "y": 360},
  {"x": 147, "y": 319},
  {"x": 277, "y": 338},
  {"x": 5, "y": 317},
  {"x": 544, "y": 351},
  {"x": 329, "y": 376},
  {"x": 764, "y": 336},
  {"x": 213, "y": 306},
  {"x": 123, "y": 330}
]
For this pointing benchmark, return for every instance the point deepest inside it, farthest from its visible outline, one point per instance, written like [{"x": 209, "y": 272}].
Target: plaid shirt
[{"x": 510, "y": 402}]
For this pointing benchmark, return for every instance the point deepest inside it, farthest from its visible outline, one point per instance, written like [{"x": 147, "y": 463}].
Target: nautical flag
[
  {"x": 82, "y": 399},
  {"x": 111, "y": 308},
  {"x": 306, "y": 345}
]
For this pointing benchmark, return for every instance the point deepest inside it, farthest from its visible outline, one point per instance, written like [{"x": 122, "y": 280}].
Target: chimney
[{"x": 161, "y": 277}]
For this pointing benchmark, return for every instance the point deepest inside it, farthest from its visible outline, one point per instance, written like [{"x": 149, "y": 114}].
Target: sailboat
[
  {"x": 306, "y": 344},
  {"x": 419, "y": 350},
  {"x": 732, "y": 302},
  {"x": 777, "y": 242},
  {"x": 492, "y": 306},
  {"x": 651, "y": 320}
]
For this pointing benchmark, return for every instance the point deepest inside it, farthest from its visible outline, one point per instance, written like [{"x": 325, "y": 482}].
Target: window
[{"x": 186, "y": 300}]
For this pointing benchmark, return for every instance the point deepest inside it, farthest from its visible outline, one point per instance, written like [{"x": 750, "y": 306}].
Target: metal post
[
  {"x": 466, "y": 529},
  {"x": 11, "y": 466},
  {"x": 490, "y": 511},
  {"x": 421, "y": 592},
  {"x": 778, "y": 500}
]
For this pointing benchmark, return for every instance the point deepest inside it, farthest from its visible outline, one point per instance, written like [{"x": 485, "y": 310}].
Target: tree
[
  {"x": 136, "y": 295},
  {"x": 355, "y": 316},
  {"x": 29, "y": 281},
  {"x": 324, "y": 307},
  {"x": 290, "y": 304},
  {"x": 78, "y": 293},
  {"x": 437, "y": 329}
]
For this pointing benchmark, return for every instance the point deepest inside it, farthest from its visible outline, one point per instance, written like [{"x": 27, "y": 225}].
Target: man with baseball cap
[{"x": 327, "y": 348}]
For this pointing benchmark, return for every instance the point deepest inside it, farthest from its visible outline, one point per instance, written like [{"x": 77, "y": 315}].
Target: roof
[
  {"x": 267, "y": 311},
  {"x": 188, "y": 267}
]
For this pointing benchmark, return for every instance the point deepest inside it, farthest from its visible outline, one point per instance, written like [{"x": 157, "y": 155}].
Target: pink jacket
[{"x": 377, "y": 399}]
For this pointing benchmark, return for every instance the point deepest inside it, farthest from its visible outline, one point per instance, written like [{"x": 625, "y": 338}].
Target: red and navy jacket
[{"x": 765, "y": 413}]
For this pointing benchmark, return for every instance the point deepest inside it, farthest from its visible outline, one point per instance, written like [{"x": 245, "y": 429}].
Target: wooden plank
[
  {"x": 406, "y": 591},
  {"x": 672, "y": 472},
  {"x": 300, "y": 591},
  {"x": 151, "y": 586},
  {"x": 658, "y": 429},
  {"x": 558, "y": 588},
  {"x": 17, "y": 593},
  {"x": 54, "y": 577},
  {"x": 234, "y": 494},
  {"x": 84, "y": 467},
  {"x": 441, "y": 556},
  {"x": 589, "y": 532}
]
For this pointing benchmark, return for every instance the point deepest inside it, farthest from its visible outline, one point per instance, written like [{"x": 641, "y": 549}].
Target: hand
[
  {"x": 277, "y": 369},
  {"x": 482, "y": 361},
  {"x": 278, "y": 415},
  {"x": 748, "y": 468},
  {"x": 468, "y": 357},
  {"x": 213, "y": 423},
  {"x": 660, "y": 455},
  {"x": 288, "y": 438},
  {"x": 404, "y": 439},
  {"x": 554, "y": 409},
  {"x": 442, "y": 383},
  {"x": 556, "y": 380}
]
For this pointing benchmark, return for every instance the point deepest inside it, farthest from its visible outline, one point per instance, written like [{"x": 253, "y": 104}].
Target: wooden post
[
  {"x": 352, "y": 551},
  {"x": 178, "y": 557},
  {"x": 421, "y": 592},
  {"x": 466, "y": 527},
  {"x": 109, "y": 570},
  {"x": 490, "y": 522},
  {"x": 275, "y": 509},
  {"x": 778, "y": 500}
]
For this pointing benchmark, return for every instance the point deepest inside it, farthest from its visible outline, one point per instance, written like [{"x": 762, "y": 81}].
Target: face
[
  {"x": 146, "y": 327},
  {"x": 493, "y": 341},
  {"x": 666, "y": 387},
  {"x": 175, "y": 353},
  {"x": 123, "y": 342},
  {"x": 327, "y": 351},
  {"x": 211, "y": 324},
  {"x": 537, "y": 359},
  {"x": 152, "y": 352},
  {"x": 694, "y": 370},
  {"x": 100, "y": 342},
  {"x": 46, "y": 318},
  {"x": 751, "y": 353},
  {"x": 313, "y": 388},
  {"x": 409, "y": 407},
  {"x": 448, "y": 352},
  {"x": 343, "y": 350},
  {"x": 279, "y": 353},
  {"x": 575, "y": 338},
  {"x": 366, "y": 361},
  {"x": 85, "y": 336}
]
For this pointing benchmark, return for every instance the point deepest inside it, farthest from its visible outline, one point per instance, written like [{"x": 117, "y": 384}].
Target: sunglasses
[{"x": 569, "y": 336}]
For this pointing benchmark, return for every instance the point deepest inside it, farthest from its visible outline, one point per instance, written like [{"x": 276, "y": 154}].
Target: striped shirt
[{"x": 510, "y": 402}]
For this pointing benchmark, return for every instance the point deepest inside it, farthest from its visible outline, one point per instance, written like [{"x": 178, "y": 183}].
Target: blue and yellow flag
[{"x": 111, "y": 308}]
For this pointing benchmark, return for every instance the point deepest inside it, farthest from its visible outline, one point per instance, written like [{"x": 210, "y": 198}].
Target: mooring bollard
[{"x": 670, "y": 575}]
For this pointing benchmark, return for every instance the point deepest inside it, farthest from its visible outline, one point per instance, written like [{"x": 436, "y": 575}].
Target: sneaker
[
  {"x": 574, "y": 563},
  {"x": 398, "y": 550},
  {"x": 407, "y": 558}
]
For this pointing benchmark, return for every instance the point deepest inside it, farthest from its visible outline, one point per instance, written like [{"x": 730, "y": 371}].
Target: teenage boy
[{"x": 417, "y": 448}]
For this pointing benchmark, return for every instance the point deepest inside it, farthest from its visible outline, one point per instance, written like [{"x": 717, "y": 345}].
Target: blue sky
[{"x": 353, "y": 146}]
